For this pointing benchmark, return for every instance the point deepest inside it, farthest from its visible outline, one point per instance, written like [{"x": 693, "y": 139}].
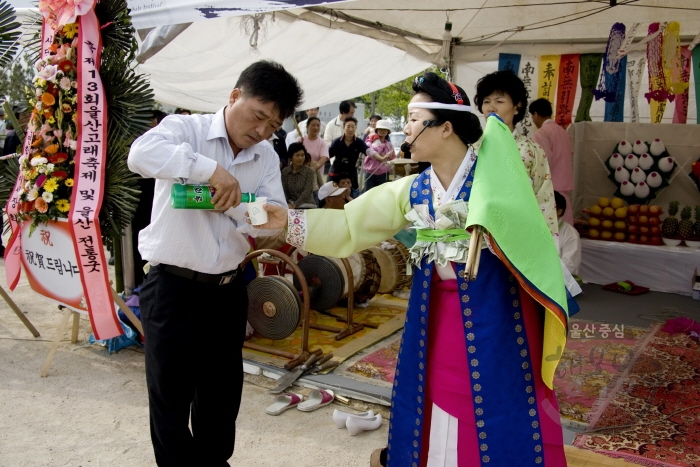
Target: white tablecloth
[{"x": 661, "y": 268}]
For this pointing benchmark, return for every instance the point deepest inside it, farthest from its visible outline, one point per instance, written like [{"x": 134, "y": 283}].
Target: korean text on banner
[
  {"x": 590, "y": 69},
  {"x": 509, "y": 62},
  {"x": 566, "y": 89},
  {"x": 548, "y": 77},
  {"x": 635, "y": 71},
  {"x": 528, "y": 73}
]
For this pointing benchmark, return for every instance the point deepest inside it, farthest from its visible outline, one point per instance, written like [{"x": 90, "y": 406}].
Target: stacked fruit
[
  {"x": 607, "y": 220},
  {"x": 644, "y": 224}
]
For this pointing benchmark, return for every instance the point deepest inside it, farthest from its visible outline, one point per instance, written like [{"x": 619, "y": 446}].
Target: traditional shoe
[
  {"x": 284, "y": 402},
  {"x": 339, "y": 417},
  {"x": 317, "y": 399},
  {"x": 356, "y": 425},
  {"x": 378, "y": 458}
]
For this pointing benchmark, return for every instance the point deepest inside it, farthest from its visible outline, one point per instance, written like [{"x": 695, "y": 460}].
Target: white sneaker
[
  {"x": 356, "y": 425},
  {"x": 339, "y": 417}
]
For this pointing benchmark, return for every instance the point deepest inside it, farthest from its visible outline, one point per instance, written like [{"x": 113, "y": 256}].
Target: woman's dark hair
[
  {"x": 310, "y": 120},
  {"x": 295, "y": 148},
  {"x": 378, "y": 117},
  {"x": 159, "y": 115},
  {"x": 466, "y": 125},
  {"x": 270, "y": 82},
  {"x": 560, "y": 202},
  {"x": 349, "y": 119},
  {"x": 505, "y": 82}
]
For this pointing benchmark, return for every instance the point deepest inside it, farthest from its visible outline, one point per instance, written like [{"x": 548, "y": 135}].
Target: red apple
[
  {"x": 656, "y": 240},
  {"x": 656, "y": 210},
  {"x": 654, "y": 220},
  {"x": 644, "y": 239},
  {"x": 633, "y": 209},
  {"x": 632, "y": 238},
  {"x": 633, "y": 219},
  {"x": 643, "y": 230},
  {"x": 633, "y": 229},
  {"x": 643, "y": 219},
  {"x": 643, "y": 209},
  {"x": 655, "y": 230}
]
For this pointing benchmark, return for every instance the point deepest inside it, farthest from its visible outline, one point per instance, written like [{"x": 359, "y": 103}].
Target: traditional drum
[
  {"x": 392, "y": 257},
  {"x": 366, "y": 275}
]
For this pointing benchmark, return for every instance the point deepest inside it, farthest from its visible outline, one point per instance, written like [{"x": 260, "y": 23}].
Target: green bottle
[{"x": 198, "y": 196}]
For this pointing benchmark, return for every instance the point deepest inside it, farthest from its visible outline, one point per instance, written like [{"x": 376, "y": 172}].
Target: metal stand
[{"x": 295, "y": 359}]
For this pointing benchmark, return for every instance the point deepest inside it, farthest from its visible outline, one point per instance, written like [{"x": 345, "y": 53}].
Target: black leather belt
[{"x": 218, "y": 279}]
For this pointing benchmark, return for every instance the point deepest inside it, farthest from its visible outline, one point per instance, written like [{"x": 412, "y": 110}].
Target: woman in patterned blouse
[
  {"x": 504, "y": 94},
  {"x": 298, "y": 179}
]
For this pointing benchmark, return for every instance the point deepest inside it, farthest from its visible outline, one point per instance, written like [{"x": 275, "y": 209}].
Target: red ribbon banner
[
  {"x": 90, "y": 165},
  {"x": 568, "y": 81}
]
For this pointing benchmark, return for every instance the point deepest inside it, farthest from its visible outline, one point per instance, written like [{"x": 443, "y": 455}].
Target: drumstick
[
  {"x": 471, "y": 254},
  {"x": 478, "y": 256}
]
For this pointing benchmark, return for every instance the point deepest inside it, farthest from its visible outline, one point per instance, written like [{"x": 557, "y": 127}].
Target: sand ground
[{"x": 92, "y": 409}]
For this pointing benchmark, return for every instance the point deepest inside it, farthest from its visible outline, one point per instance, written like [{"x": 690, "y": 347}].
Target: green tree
[{"x": 16, "y": 82}]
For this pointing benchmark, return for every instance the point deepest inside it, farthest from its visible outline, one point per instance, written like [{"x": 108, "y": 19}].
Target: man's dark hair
[
  {"x": 541, "y": 107},
  {"x": 159, "y": 115},
  {"x": 181, "y": 111},
  {"x": 378, "y": 117},
  {"x": 560, "y": 202},
  {"x": 349, "y": 119},
  {"x": 270, "y": 82},
  {"x": 341, "y": 176},
  {"x": 295, "y": 148},
  {"x": 466, "y": 124},
  {"x": 345, "y": 106},
  {"x": 505, "y": 82}
]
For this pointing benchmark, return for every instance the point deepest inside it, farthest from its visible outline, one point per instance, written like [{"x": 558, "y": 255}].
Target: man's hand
[
  {"x": 276, "y": 217},
  {"x": 228, "y": 191}
]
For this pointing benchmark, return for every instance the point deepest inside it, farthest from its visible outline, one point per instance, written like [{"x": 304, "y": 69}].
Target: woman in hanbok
[{"x": 473, "y": 383}]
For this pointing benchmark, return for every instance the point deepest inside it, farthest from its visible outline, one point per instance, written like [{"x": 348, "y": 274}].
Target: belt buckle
[{"x": 227, "y": 279}]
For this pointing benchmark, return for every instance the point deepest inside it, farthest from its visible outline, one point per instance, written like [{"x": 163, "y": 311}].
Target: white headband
[{"x": 439, "y": 106}]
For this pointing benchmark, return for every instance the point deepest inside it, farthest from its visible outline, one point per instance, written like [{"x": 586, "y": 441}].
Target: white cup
[{"x": 256, "y": 212}]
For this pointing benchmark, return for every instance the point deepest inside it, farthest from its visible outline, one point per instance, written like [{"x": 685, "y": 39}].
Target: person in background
[
  {"x": 12, "y": 141},
  {"x": 195, "y": 280},
  {"x": 569, "y": 239},
  {"x": 316, "y": 147},
  {"x": 277, "y": 140},
  {"x": 335, "y": 128},
  {"x": 180, "y": 111},
  {"x": 504, "y": 94},
  {"x": 372, "y": 126},
  {"x": 347, "y": 151},
  {"x": 345, "y": 181},
  {"x": 298, "y": 179},
  {"x": 303, "y": 126},
  {"x": 3, "y": 129},
  {"x": 557, "y": 146},
  {"x": 332, "y": 196},
  {"x": 376, "y": 166}
]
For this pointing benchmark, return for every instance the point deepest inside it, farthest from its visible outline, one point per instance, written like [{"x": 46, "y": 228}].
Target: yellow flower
[
  {"x": 50, "y": 185},
  {"x": 51, "y": 121},
  {"x": 69, "y": 182},
  {"x": 70, "y": 30},
  {"x": 63, "y": 205}
]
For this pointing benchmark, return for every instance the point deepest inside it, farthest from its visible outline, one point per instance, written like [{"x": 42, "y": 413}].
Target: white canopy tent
[{"x": 347, "y": 49}]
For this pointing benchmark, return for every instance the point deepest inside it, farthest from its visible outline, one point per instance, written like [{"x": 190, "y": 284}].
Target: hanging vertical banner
[
  {"x": 658, "y": 93},
  {"x": 680, "y": 114},
  {"x": 528, "y": 73},
  {"x": 672, "y": 61},
  {"x": 548, "y": 77},
  {"x": 635, "y": 71},
  {"x": 589, "y": 70},
  {"x": 610, "y": 76},
  {"x": 566, "y": 89},
  {"x": 696, "y": 78},
  {"x": 614, "y": 110},
  {"x": 509, "y": 62}
]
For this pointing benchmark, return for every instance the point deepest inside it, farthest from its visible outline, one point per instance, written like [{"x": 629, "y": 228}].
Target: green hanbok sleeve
[{"x": 367, "y": 220}]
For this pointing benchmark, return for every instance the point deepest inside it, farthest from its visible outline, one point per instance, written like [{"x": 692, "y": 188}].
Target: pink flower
[
  {"x": 58, "y": 133},
  {"x": 40, "y": 180},
  {"x": 64, "y": 83},
  {"x": 48, "y": 73},
  {"x": 64, "y": 11}
]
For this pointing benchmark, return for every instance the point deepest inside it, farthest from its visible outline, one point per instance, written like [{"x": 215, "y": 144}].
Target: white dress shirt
[{"x": 186, "y": 149}]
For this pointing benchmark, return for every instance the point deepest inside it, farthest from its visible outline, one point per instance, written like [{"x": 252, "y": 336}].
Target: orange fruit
[
  {"x": 616, "y": 203},
  {"x": 608, "y": 212},
  {"x": 596, "y": 210},
  {"x": 603, "y": 202},
  {"x": 621, "y": 213},
  {"x": 594, "y": 222}
]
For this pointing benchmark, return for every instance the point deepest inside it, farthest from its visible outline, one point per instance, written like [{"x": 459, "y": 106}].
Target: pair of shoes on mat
[
  {"x": 317, "y": 399},
  {"x": 357, "y": 422}
]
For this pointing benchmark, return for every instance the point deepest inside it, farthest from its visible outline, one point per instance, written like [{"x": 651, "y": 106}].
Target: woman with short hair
[{"x": 298, "y": 179}]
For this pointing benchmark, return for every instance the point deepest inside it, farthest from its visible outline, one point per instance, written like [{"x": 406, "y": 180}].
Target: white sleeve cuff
[
  {"x": 296, "y": 228},
  {"x": 203, "y": 168}
]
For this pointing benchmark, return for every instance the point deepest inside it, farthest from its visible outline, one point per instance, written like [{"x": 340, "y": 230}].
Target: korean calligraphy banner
[
  {"x": 658, "y": 94},
  {"x": 566, "y": 89},
  {"x": 614, "y": 109},
  {"x": 509, "y": 62},
  {"x": 680, "y": 114},
  {"x": 529, "y": 65},
  {"x": 548, "y": 77},
  {"x": 589, "y": 68},
  {"x": 635, "y": 71}
]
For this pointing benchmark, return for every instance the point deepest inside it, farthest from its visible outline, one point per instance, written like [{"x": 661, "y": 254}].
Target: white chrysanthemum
[
  {"x": 64, "y": 83},
  {"x": 49, "y": 168},
  {"x": 38, "y": 160},
  {"x": 48, "y": 197},
  {"x": 38, "y": 105},
  {"x": 22, "y": 160},
  {"x": 32, "y": 194},
  {"x": 41, "y": 169}
]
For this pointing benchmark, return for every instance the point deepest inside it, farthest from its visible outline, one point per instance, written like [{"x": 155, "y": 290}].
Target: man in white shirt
[
  {"x": 194, "y": 302},
  {"x": 334, "y": 128},
  {"x": 569, "y": 239},
  {"x": 293, "y": 134}
]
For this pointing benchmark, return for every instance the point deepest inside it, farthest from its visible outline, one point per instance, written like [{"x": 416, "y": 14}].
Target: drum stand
[{"x": 295, "y": 359}]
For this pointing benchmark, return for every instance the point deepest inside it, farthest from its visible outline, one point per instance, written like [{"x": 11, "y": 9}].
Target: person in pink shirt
[
  {"x": 375, "y": 166},
  {"x": 316, "y": 147},
  {"x": 557, "y": 146}
]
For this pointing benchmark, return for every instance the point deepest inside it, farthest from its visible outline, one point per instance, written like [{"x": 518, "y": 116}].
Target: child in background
[
  {"x": 569, "y": 239},
  {"x": 375, "y": 166}
]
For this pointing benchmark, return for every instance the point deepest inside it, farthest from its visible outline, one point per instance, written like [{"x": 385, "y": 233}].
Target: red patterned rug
[
  {"x": 596, "y": 356},
  {"x": 652, "y": 417}
]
